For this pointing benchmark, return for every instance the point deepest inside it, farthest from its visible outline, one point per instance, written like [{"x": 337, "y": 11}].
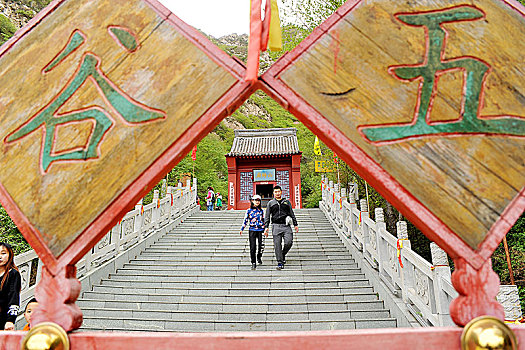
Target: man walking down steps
[{"x": 279, "y": 211}]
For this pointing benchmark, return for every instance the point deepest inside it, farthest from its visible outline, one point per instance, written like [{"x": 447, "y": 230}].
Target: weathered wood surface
[
  {"x": 166, "y": 74},
  {"x": 466, "y": 180}
]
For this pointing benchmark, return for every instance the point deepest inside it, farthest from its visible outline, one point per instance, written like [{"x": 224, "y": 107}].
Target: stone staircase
[{"x": 198, "y": 278}]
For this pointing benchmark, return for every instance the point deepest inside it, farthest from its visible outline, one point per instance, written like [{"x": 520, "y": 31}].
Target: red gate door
[{"x": 412, "y": 94}]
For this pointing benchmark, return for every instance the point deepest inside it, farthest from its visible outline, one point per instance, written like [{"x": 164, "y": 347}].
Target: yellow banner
[
  {"x": 317, "y": 146},
  {"x": 275, "y": 42}
]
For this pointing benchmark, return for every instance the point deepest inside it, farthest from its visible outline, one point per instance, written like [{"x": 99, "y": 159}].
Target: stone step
[
  {"x": 245, "y": 252},
  {"x": 198, "y": 278},
  {"x": 241, "y": 274},
  {"x": 268, "y": 249},
  {"x": 219, "y": 283},
  {"x": 233, "y": 289},
  {"x": 180, "y": 245},
  {"x": 236, "y": 295},
  {"x": 235, "y": 314},
  {"x": 238, "y": 276},
  {"x": 230, "y": 289},
  {"x": 229, "y": 326},
  {"x": 211, "y": 306},
  {"x": 240, "y": 260},
  {"x": 198, "y": 268}
]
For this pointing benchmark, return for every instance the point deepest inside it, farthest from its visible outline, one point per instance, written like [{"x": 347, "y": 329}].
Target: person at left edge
[{"x": 10, "y": 286}]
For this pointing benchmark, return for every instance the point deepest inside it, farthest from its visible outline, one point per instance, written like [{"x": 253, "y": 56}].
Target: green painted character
[
  {"x": 48, "y": 117},
  {"x": 475, "y": 70}
]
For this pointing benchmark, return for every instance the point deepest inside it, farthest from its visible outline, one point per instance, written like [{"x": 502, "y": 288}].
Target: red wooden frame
[
  {"x": 400, "y": 338},
  {"x": 371, "y": 171},
  {"x": 61, "y": 271}
]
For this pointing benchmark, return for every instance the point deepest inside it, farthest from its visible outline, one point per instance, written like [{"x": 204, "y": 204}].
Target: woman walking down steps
[{"x": 255, "y": 217}]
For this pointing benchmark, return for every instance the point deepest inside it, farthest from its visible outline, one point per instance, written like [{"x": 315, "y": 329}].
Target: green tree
[
  {"x": 516, "y": 242},
  {"x": 7, "y": 29},
  {"x": 309, "y": 14},
  {"x": 9, "y": 233}
]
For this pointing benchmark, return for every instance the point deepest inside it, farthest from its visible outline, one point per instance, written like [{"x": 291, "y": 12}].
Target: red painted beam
[{"x": 399, "y": 338}]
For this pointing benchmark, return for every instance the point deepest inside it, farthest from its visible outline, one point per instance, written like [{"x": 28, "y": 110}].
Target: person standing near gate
[
  {"x": 210, "y": 199},
  {"x": 254, "y": 218},
  {"x": 279, "y": 212}
]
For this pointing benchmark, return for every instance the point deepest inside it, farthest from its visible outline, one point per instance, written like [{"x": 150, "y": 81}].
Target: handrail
[
  {"x": 136, "y": 225},
  {"x": 424, "y": 287}
]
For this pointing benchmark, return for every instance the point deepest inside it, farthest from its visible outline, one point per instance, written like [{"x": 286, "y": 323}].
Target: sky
[{"x": 214, "y": 17}]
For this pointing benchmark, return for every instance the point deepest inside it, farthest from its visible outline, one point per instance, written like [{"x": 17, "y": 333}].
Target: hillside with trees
[{"x": 260, "y": 111}]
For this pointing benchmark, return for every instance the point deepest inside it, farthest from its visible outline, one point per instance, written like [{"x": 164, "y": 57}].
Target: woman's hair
[
  {"x": 252, "y": 205},
  {"x": 10, "y": 262}
]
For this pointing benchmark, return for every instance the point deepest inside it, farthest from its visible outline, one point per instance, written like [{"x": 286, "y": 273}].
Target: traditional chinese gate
[{"x": 118, "y": 91}]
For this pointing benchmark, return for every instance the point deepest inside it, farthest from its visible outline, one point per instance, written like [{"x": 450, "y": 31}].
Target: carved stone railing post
[
  {"x": 187, "y": 201},
  {"x": 169, "y": 194},
  {"x": 509, "y": 298},
  {"x": 331, "y": 198},
  {"x": 364, "y": 209},
  {"x": 441, "y": 273},
  {"x": 354, "y": 224},
  {"x": 115, "y": 235},
  {"x": 163, "y": 189},
  {"x": 344, "y": 215},
  {"x": 359, "y": 232},
  {"x": 323, "y": 188},
  {"x": 140, "y": 218},
  {"x": 338, "y": 206},
  {"x": 193, "y": 196},
  {"x": 155, "y": 215},
  {"x": 403, "y": 243},
  {"x": 88, "y": 260},
  {"x": 181, "y": 200},
  {"x": 374, "y": 237},
  {"x": 330, "y": 193}
]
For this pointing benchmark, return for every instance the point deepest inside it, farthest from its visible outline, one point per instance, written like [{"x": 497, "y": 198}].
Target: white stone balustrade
[
  {"x": 135, "y": 226},
  {"x": 424, "y": 288}
]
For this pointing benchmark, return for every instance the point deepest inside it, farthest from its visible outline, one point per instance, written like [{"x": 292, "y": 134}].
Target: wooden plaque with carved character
[
  {"x": 426, "y": 100},
  {"x": 116, "y": 92},
  {"x": 111, "y": 86}
]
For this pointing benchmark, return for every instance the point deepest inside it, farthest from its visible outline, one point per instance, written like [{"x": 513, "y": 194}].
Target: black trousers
[{"x": 256, "y": 235}]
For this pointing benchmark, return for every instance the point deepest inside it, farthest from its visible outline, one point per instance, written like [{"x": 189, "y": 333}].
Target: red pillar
[
  {"x": 295, "y": 190},
  {"x": 232, "y": 182}
]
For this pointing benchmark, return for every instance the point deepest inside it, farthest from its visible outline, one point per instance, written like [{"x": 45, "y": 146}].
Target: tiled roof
[{"x": 258, "y": 142}]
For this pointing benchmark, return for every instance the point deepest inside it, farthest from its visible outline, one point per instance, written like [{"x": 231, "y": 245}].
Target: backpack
[{"x": 213, "y": 197}]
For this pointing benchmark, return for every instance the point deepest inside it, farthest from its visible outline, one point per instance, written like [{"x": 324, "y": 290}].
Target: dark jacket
[
  {"x": 278, "y": 211},
  {"x": 10, "y": 297}
]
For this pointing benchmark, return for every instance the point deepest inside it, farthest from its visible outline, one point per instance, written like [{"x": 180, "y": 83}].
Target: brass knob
[
  {"x": 487, "y": 332},
  {"x": 46, "y": 336}
]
